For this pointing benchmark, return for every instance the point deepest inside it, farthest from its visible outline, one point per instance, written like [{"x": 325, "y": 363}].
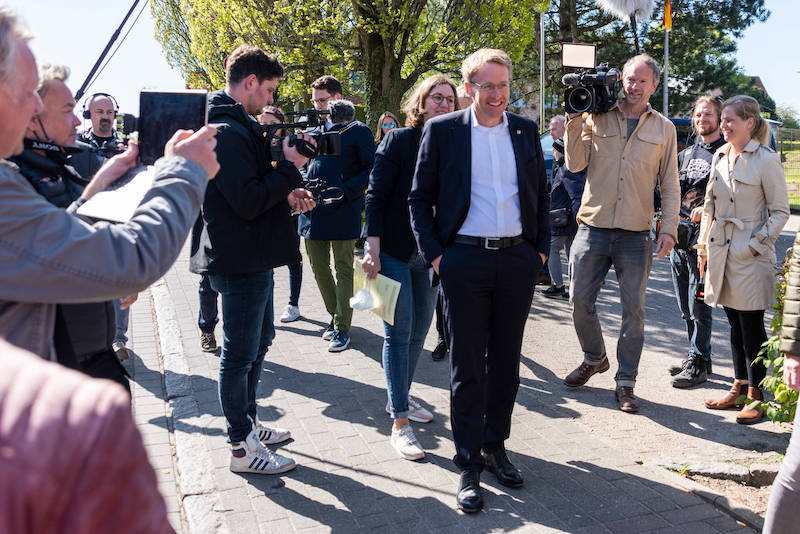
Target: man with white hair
[
  {"x": 626, "y": 153},
  {"x": 48, "y": 255}
]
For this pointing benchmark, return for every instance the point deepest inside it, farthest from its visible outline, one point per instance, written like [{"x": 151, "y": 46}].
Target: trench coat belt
[{"x": 739, "y": 223}]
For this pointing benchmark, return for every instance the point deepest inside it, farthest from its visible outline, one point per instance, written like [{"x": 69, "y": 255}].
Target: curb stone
[
  {"x": 731, "y": 507},
  {"x": 198, "y": 492},
  {"x": 756, "y": 475}
]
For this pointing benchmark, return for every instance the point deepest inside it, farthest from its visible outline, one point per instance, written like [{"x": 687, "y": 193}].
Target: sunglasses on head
[{"x": 387, "y": 126}]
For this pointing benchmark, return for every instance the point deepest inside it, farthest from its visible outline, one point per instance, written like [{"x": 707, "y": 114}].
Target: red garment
[{"x": 71, "y": 457}]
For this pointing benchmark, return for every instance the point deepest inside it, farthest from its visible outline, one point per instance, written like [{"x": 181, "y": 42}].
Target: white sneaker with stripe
[
  {"x": 250, "y": 456},
  {"x": 268, "y": 435}
]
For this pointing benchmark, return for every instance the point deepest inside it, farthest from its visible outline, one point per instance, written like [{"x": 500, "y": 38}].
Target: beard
[{"x": 705, "y": 130}]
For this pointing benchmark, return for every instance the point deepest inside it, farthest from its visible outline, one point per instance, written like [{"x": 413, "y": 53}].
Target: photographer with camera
[
  {"x": 337, "y": 226},
  {"x": 627, "y": 151},
  {"x": 49, "y": 256},
  {"x": 694, "y": 164},
  {"x": 246, "y": 232}
]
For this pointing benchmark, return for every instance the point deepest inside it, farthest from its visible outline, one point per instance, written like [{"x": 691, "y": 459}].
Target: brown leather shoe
[
  {"x": 729, "y": 399},
  {"x": 584, "y": 372},
  {"x": 748, "y": 416},
  {"x": 626, "y": 400}
]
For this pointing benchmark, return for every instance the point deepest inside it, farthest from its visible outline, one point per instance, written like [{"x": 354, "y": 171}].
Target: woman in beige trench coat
[{"x": 745, "y": 209}]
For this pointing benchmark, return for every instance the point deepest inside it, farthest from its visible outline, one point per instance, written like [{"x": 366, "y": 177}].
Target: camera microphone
[
  {"x": 571, "y": 79},
  {"x": 341, "y": 111}
]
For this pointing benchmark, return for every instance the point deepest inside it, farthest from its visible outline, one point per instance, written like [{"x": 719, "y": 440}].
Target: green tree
[
  {"x": 702, "y": 44},
  {"x": 378, "y": 48},
  {"x": 788, "y": 116}
]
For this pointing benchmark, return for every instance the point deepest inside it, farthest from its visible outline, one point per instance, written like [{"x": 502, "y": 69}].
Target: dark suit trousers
[{"x": 487, "y": 298}]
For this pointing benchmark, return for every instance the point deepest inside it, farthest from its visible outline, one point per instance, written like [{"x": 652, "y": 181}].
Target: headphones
[{"x": 88, "y": 114}]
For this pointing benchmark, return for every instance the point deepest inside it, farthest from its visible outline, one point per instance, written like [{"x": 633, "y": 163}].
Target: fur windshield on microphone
[
  {"x": 641, "y": 9},
  {"x": 342, "y": 111}
]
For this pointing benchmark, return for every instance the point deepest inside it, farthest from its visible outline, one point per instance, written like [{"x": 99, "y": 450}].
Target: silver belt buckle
[{"x": 487, "y": 246}]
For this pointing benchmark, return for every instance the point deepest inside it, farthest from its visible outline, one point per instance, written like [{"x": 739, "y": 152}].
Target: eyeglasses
[
  {"x": 438, "y": 99},
  {"x": 387, "y": 126},
  {"x": 320, "y": 101},
  {"x": 490, "y": 87}
]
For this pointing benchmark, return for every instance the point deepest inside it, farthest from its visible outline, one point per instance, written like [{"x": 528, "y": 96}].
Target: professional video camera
[
  {"x": 327, "y": 143},
  {"x": 591, "y": 89}
]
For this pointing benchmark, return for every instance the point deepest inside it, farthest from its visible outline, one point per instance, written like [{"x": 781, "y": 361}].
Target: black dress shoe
[
  {"x": 470, "y": 499},
  {"x": 440, "y": 351},
  {"x": 498, "y": 463}
]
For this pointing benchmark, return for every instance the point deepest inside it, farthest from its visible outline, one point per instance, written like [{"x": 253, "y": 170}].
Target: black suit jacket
[
  {"x": 387, "y": 214},
  {"x": 442, "y": 186}
]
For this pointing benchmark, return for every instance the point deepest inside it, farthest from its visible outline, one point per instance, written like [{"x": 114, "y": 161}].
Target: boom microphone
[
  {"x": 341, "y": 111},
  {"x": 570, "y": 79}
]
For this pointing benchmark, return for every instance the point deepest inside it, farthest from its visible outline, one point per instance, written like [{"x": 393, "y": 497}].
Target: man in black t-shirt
[
  {"x": 102, "y": 136},
  {"x": 694, "y": 164}
]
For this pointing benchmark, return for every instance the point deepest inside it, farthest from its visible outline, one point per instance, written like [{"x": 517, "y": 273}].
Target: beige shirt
[{"x": 623, "y": 174}]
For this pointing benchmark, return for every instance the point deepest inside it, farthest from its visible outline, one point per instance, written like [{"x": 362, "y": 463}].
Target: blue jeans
[
  {"x": 594, "y": 251},
  {"x": 557, "y": 242},
  {"x": 685, "y": 277},
  {"x": 248, "y": 331},
  {"x": 295, "y": 281},
  {"x": 207, "y": 317},
  {"x": 403, "y": 341},
  {"x": 122, "y": 322}
]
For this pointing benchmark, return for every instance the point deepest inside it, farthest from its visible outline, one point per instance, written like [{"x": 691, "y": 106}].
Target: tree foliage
[{"x": 378, "y": 49}]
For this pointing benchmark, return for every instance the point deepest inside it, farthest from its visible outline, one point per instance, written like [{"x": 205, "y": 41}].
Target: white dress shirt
[{"x": 494, "y": 201}]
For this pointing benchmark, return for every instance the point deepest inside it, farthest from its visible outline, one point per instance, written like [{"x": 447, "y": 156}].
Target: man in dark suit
[{"x": 479, "y": 211}]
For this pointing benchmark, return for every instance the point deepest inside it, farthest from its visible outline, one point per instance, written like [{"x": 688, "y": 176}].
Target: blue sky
[{"x": 74, "y": 32}]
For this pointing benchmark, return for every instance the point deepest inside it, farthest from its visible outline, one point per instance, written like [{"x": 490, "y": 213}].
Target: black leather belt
[{"x": 489, "y": 243}]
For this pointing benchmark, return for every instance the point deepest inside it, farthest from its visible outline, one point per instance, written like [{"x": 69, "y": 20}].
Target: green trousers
[{"x": 336, "y": 294}]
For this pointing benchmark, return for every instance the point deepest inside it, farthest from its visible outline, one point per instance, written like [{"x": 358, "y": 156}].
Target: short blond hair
[
  {"x": 476, "y": 60},
  {"x": 48, "y": 74},
  {"x": 12, "y": 31}
]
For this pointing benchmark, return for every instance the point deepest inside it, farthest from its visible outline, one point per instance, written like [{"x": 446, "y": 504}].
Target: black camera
[
  {"x": 591, "y": 90},
  {"x": 327, "y": 143}
]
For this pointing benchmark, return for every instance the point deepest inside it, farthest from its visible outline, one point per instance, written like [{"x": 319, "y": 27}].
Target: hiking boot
[
  {"x": 676, "y": 368},
  {"x": 208, "y": 341},
  {"x": 584, "y": 372},
  {"x": 250, "y": 456},
  {"x": 693, "y": 373},
  {"x": 626, "y": 400}
]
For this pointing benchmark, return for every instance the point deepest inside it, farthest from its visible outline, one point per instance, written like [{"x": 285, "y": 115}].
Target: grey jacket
[{"x": 49, "y": 256}]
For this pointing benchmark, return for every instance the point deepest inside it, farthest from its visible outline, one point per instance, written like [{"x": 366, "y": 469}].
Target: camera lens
[{"x": 580, "y": 100}]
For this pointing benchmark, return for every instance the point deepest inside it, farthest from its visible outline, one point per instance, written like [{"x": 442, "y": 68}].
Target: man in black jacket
[
  {"x": 246, "y": 232},
  {"x": 479, "y": 211},
  {"x": 89, "y": 330}
]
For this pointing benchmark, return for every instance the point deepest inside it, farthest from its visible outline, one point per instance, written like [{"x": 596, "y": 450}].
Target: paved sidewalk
[{"x": 581, "y": 458}]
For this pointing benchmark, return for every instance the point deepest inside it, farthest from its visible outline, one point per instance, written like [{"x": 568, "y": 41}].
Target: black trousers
[
  {"x": 747, "y": 335},
  {"x": 487, "y": 298}
]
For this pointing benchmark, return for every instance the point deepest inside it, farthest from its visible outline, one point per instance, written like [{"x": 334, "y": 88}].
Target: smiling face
[
  {"x": 705, "y": 119},
  {"x": 490, "y": 89},
  {"x": 57, "y": 121},
  {"x": 440, "y": 100},
  {"x": 735, "y": 129},
  {"x": 639, "y": 83}
]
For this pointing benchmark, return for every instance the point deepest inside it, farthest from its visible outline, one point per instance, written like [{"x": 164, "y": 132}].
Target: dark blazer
[
  {"x": 567, "y": 191},
  {"x": 387, "y": 213},
  {"x": 349, "y": 171},
  {"x": 443, "y": 180}
]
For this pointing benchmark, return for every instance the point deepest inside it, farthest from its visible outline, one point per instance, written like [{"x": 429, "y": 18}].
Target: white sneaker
[
  {"x": 270, "y": 436},
  {"x": 405, "y": 443},
  {"x": 250, "y": 456},
  {"x": 416, "y": 412},
  {"x": 292, "y": 313}
]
